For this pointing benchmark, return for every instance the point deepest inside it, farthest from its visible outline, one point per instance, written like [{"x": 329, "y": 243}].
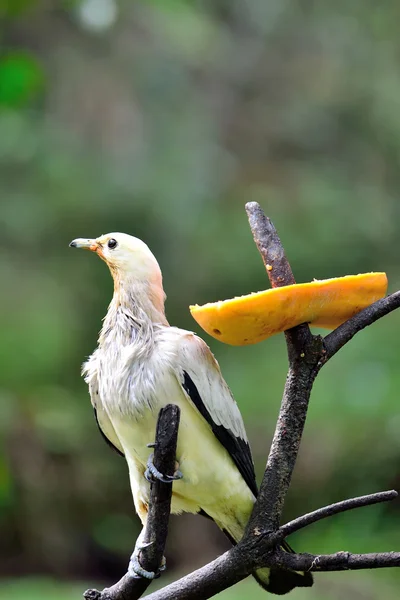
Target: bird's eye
[{"x": 112, "y": 243}]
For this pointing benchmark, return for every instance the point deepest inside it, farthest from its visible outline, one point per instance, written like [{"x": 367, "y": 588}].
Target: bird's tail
[
  {"x": 281, "y": 581},
  {"x": 277, "y": 580}
]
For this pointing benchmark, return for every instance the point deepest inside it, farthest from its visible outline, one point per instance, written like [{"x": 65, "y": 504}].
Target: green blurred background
[{"x": 161, "y": 118}]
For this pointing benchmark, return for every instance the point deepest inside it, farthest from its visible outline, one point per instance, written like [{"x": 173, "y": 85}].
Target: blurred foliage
[
  {"x": 162, "y": 119},
  {"x": 20, "y": 79}
]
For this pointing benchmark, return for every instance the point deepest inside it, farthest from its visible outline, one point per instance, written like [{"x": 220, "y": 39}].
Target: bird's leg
[
  {"x": 152, "y": 473},
  {"x": 135, "y": 569}
]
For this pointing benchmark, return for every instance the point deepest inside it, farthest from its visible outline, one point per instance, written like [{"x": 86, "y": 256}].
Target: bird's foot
[
  {"x": 136, "y": 570},
  {"x": 152, "y": 473}
]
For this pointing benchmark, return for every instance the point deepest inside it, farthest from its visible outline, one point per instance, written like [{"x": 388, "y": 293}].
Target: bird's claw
[
  {"x": 136, "y": 570},
  {"x": 176, "y": 476},
  {"x": 152, "y": 473}
]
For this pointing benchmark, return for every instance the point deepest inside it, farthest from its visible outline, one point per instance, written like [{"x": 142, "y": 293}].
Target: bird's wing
[
  {"x": 89, "y": 371},
  {"x": 201, "y": 379},
  {"x": 107, "y": 431}
]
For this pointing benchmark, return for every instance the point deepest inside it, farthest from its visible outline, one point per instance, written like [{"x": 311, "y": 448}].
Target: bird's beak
[{"x": 85, "y": 244}]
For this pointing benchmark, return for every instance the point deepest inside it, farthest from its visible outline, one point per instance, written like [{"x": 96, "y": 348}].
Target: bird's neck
[{"x": 136, "y": 309}]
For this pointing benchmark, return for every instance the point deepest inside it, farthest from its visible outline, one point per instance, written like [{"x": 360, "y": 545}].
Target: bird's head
[{"x": 130, "y": 261}]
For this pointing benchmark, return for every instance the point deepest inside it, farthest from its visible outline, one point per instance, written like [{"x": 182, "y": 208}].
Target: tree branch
[
  {"x": 304, "y": 352},
  {"x": 235, "y": 565},
  {"x": 156, "y": 530},
  {"x": 222, "y": 572},
  {"x": 216, "y": 576},
  {"x": 333, "y": 509},
  {"x": 344, "y": 333},
  {"x": 269, "y": 246},
  {"x": 340, "y": 561}
]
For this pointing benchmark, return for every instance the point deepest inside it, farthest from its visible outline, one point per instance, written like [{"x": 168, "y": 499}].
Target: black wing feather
[
  {"x": 105, "y": 438},
  {"x": 238, "y": 448}
]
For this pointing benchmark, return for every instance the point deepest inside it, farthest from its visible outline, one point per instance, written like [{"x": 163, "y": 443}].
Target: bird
[{"x": 141, "y": 364}]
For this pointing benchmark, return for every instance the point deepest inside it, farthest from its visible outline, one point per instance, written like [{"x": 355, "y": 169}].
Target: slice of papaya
[{"x": 323, "y": 303}]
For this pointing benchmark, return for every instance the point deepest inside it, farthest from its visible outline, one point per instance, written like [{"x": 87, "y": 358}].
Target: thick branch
[
  {"x": 131, "y": 588},
  {"x": 216, "y": 576},
  {"x": 343, "y": 334},
  {"x": 304, "y": 353}
]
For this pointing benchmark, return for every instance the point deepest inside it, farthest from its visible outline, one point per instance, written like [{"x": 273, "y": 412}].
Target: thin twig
[
  {"x": 156, "y": 531},
  {"x": 340, "y": 561},
  {"x": 269, "y": 246},
  {"x": 222, "y": 573},
  {"x": 343, "y": 334},
  {"x": 334, "y": 509}
]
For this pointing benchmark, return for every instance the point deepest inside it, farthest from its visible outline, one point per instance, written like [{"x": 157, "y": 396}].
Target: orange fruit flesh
[{"x": 326, "y": 303}]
